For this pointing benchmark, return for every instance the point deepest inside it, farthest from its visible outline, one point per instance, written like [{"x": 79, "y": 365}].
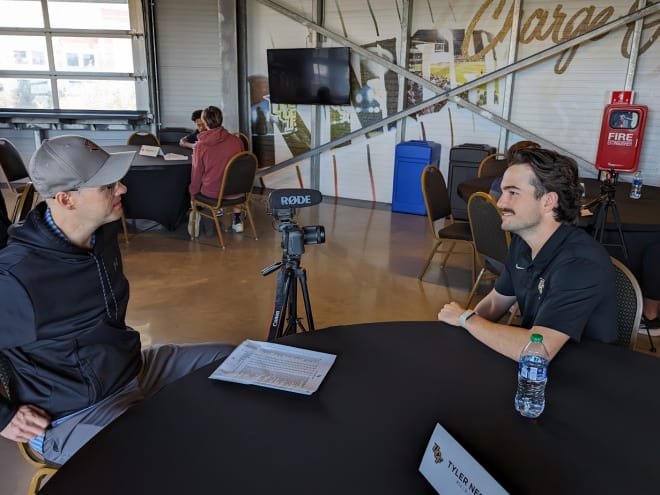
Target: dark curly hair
[{"x": 556, "y": 173}]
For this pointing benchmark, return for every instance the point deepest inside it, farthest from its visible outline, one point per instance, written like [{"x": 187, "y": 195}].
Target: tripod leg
[
  {"x": 602, "y": 221},
  {"x": 308, "y": 307},
  {"x": 615, "y": 213},
  {"x": 281, "y": 298},
  {"x": 292, "y": 318}
]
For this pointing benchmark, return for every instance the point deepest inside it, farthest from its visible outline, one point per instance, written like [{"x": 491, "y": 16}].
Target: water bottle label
[{"x": 533, "y": 372}]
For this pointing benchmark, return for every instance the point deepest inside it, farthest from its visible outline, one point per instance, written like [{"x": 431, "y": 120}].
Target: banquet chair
[
  {"x": 143, "y": 137},
  {"x": 491, "y": 243},
  {"x": 628, "y": 306},
  {"x": 245, "y": 140},
  {"x": 235, "y": 191},
  {"x": 44, "y": 468},
  {"x": 436, "y": 200},
  {"x": 493, "y": 165},
  {"x": 17, "y": 177}
]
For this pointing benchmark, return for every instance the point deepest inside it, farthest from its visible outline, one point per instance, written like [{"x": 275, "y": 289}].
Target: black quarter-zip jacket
[{"x": 62, "y": 319}]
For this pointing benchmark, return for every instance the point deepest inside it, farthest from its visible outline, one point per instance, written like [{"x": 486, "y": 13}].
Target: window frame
[{"x": 136, "y": 35}]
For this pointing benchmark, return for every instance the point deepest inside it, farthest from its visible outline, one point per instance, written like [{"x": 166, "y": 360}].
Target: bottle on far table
[
  {"x": 532, "y": 377},
  {"x": 636, "y": 186}
]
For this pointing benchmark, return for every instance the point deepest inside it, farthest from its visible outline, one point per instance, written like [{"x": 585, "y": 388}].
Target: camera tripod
[
  {"x": 286, "y": 298},
  {"x": 607, "y": 202}
]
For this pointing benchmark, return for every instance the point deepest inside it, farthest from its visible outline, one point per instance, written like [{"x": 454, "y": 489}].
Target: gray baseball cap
[{"x": 66, "y": 163}]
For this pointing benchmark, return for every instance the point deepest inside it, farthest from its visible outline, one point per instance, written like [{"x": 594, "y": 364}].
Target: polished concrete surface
[{"x": 194, "y": 291}]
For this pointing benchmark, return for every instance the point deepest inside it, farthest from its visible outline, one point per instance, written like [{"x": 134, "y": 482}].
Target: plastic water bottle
[
  {"x": 636, "y": 187},
  {"x": 532, "y": 377}
]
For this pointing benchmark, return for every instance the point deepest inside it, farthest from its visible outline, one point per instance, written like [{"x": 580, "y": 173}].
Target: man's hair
[
  {"x": 212, "y": 117},
  {"x": 197, "y": 114},
  {"x": 553, "y": 173},
  {"x": 521, "y": 145}
]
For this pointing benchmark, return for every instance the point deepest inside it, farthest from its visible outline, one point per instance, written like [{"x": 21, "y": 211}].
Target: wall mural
[{"x": 462, "y": 44}]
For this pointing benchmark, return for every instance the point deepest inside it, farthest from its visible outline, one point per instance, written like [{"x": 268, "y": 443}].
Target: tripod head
[{"x": 608, "y": 186}]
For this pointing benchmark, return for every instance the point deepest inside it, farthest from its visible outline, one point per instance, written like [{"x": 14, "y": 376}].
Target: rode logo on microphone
[{"x": 297, "y": 200}]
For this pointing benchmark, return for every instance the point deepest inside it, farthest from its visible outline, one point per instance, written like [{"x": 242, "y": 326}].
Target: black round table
[{"x": 366, "y": 428}]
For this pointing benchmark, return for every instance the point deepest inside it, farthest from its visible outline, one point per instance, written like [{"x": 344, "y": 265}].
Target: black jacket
[{"x": 62, "y": 327}]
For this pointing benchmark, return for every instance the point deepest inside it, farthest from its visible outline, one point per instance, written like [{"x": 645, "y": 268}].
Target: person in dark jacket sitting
[{"x": 74, "y": 364}]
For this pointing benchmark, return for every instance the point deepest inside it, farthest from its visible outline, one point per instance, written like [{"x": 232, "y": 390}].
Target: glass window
[
  {"x": 23, "y": 53},
  {"x": 89, "y": 15},
  {"x": 92, "y": 94},
  {"x": 25, "y": 93},
  {"x": 21, "y": 14},
  {"x": 40, "y": 51},
  {"x": 93, "y": 54}
]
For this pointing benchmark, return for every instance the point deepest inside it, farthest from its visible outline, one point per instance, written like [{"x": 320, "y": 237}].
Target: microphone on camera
[{"x": 294, "y": 198}]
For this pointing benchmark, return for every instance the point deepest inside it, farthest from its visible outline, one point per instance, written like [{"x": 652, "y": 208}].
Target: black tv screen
[{"x": 309, "y": 76}]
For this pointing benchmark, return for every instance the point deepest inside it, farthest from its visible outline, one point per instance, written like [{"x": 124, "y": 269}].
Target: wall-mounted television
[{"x": 309, "y": 76}]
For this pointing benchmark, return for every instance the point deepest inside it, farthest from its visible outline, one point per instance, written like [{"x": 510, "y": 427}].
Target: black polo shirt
[{"x": 569, "y": 286}]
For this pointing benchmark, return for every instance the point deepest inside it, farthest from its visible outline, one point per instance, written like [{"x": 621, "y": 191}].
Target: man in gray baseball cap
[
  {"x": 74, "y": 364},
  {"x": 69, "y": 163}
]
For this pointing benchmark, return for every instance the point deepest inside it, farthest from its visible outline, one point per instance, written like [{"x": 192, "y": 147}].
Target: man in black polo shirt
[{"x": 561, "y": 277}]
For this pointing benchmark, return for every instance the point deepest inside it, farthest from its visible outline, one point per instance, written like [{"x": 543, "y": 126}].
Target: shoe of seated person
[
  {"x": 197, "y": 220},
  {"x": 237, "y": 227}
]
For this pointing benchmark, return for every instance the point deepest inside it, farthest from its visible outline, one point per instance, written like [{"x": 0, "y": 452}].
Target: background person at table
[
  {"x": 213, "y": 151},
  {"x": 63, "y": 299},
  {"x": 190, "y": 140},
  {"x": 651, "y": 287},
  {"x": 561, "y": 277},
  {"x": 496, "y": 188}
]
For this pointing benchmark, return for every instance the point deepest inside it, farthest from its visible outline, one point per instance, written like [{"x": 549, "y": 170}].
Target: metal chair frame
[
  {"x": 18, "y": 179},
  {"x": 143, "y": 137},
  {"x": 235, "y": 181},
  {"x": 493, "y": 244},
  {"x": 436, "y": 200},
  {"x": 628, "y": 315},
  {"x": 493, "y": 165}
]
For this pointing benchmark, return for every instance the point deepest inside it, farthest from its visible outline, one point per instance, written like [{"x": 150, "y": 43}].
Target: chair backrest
[
  {"x": 628, "y": 305},
  {"x": 239, "y": 175},
  {"x": 486, "y": 225},
  {"x": 11, "y": 161},
  {"x": 493, "y": 165},
  {"x": 245, "y": 140},
  {"x": 143, "y": 137},
  {"x": 436, "y": 195},
  {"x": 172, "y": 135}
]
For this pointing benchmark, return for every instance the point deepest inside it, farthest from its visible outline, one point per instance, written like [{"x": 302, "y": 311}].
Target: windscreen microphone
[{"x": 294, "y": 198}]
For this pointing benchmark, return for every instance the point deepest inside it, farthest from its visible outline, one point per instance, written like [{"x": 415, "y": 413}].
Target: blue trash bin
[{"x": 410, "y": 159}]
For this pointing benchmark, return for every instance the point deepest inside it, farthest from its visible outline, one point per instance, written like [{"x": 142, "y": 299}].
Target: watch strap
[{"x": 466, "y": 316}]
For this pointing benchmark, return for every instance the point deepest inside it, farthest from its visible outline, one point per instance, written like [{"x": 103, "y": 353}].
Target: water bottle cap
[{"x": 536, "y": 337}]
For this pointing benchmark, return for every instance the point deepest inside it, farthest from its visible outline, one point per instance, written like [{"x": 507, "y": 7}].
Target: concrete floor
[{"x": 193, "y": 291}]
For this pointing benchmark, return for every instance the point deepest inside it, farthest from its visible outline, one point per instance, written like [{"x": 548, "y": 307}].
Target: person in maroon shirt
[{"x": 213, "y": 150}]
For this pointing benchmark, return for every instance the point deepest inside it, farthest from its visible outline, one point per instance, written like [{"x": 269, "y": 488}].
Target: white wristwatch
[{"x": 465, "y": 317}]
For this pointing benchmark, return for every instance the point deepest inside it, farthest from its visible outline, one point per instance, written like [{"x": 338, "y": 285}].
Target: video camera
[{"x": 283, "y": 204}]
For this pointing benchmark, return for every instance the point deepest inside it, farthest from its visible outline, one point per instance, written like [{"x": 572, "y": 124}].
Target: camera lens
[{"x": 314, "y": 234}]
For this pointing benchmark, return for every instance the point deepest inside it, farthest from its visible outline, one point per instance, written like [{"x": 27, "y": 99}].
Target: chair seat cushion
[{"x": 457, "y": 230}]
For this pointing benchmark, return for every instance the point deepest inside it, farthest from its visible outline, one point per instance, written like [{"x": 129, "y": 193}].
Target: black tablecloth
[
  {"x": 157, "y": 188},
  {"x": 365, "y": 430},
  {"x": 640, "y": 218}
]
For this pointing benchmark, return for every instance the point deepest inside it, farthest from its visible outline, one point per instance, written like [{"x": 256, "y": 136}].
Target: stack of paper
[
  {"x": 275, "y": 366},
  {"x": 175, "y": 156}
]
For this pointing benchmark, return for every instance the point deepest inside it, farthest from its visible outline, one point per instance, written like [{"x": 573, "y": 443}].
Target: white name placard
[
  {"x": 146, "y": 150},
  {"x": 451, "y": 470}
]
